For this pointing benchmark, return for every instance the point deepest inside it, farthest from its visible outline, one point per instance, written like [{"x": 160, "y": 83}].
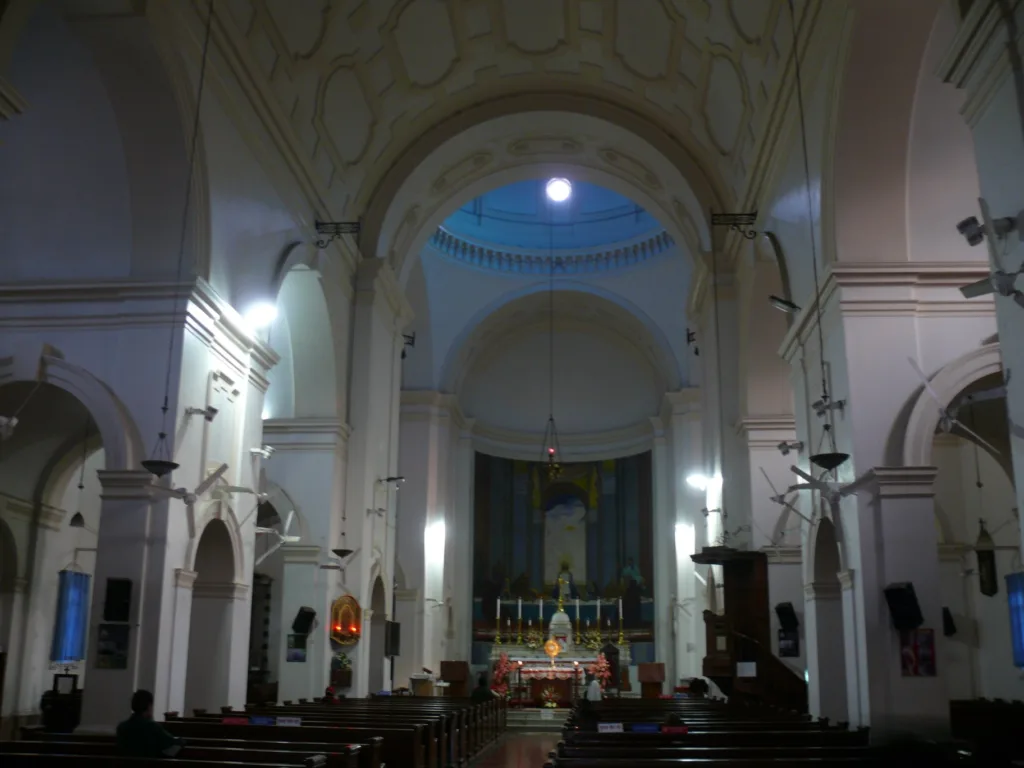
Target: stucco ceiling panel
[
  {"x": 347, "y": 116},
  {"x": 591, "y": 15},
  {"x": 300, "y": 22},
  {"x": 425, "y": 41},
  {"x": 750, "y": 19},
  {"x": 724, "y": 103},
  {"x": 643, "y": 38},
  {"x": 535, "y": 26}
]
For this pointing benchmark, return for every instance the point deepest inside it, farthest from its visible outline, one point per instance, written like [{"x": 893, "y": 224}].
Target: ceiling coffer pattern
[{"x": 358, "y": 80}]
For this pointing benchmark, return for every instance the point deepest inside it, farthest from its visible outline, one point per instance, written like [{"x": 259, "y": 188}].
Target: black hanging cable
[
  {"x": 85, "y": 455},
  {"x": 161, "y": 462},
  {"x": 830, "y": 428}
]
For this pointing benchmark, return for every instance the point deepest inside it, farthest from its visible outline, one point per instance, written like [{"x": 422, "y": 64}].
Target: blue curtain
[
  {"x": 1015, "y": 587},
  {"x": 72, "y": 617}
]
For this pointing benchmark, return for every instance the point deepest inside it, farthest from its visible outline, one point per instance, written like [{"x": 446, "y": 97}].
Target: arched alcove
[{"x": 375, "y": 637}]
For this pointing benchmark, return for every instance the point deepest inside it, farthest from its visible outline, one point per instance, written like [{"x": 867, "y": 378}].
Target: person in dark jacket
[
  {"x": 481, "y": 692},
  {"x": 140, "y": 736}
]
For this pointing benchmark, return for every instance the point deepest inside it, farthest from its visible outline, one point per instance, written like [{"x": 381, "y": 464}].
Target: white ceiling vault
[{"x": 357, "y": 82}]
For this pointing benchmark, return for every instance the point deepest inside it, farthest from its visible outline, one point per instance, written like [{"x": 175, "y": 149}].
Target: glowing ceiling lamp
[
  {"x": 260, "y": 315},
  {"x": 558, "y": 190}
]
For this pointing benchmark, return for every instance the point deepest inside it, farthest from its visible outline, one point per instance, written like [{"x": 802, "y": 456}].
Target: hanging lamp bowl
[
  {"x": 77, "y": 521},
  {"x": 829, "y": 461},
  {"x": 342, "y": 553},
  {"x": 159, "y": 467}
]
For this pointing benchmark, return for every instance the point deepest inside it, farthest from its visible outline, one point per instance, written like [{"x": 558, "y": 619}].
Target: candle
[
  {"x": 588, "y": 623},
  {"x": 519, "y": 607},
  {"x": 577, "y": 609},
  {"x": 529, "y": 622},
  {"x": 540, "y": 610},
  {"x": 620, "y": 609},
  {"x": 599, "y": 611},
  {"x": 498, "y": 609},
  {"x": 508, "y": 622}
]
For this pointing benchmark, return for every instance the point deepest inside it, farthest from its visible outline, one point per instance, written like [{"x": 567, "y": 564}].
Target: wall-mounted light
[
  {"x": 433, "y": 541},
  {"x": 260, "y": 315},
  {"x": 703, "y": 482},
  {"x": 558, "y": 190}
]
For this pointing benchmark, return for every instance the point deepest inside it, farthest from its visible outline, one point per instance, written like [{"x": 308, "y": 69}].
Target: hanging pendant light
[
  {"x": 985, "y": 546},
  {"x": 551, "y": 448},
  {"x": 160, "y": 461}
]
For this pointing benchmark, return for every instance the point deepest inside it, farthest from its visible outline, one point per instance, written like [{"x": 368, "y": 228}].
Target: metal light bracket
[{"x": 332, "y": 230}]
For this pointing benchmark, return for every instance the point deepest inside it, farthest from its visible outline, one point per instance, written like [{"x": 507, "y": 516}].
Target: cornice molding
[
  {"x": 847, "y": 579},
  {"x": 766, "y": 431},
  {"x": 184, "y": 578},
  {"x": 823, "y": 590},
  {"x": 48, "y": 517},
  {"x": 902, "y": 482},
  {"x": 308, "y": 433},
  {"x": 219, "y": 590},
  {"x": 375, "y": 277},
  {"x": 300, "y": 554},
  {"x": 521, "y": 261},
  {"x": 682, "y": 402},
  {"x": 429, "y": 405},
  {"x": 783, "y": 555},
  {"x": 125, "y": 485},
  {"x": 978, "y": 58},
  {"x": 889, "y": 289},
  {"x": 12, "y": 103},
  {"x": 593, "y": 446}
]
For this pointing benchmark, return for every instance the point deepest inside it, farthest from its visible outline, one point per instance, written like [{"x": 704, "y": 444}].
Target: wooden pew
[{"x": 37, "y": 760}]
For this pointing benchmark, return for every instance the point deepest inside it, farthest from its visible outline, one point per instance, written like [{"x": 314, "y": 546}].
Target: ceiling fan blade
[
  {"x": 190, "y": 520},
  {"x": 1018, "y": 297},
  {"x": 270, "y": 550},
  {"x": 982, "y": 287},
  {"x": 977, "y": 437},
  {"x": 204, "y": 486},
  {"x": 169, "y": 493},
  {"x": 261, "y": 529},
  {"x": 996, "y": 393},
  {"x": 288, "y": 522},
  {"x": 990, "y": 234},
  {"x": 811, "y": 479},
  {"x": 798, "y": 513},
  {"x": 229, "y": 489},
  {"x": 851, "y": 488},
  {"x": 290, "y": 539},
  {"x": 1017, "y": 430},
  {"x": 927, "y": 382},
  {"x": 770, "y": 483}
]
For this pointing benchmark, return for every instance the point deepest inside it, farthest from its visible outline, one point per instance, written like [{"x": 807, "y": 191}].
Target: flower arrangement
[
  {"x": 499, "y": 679},
  {"x": 550, "y": 697},
  {"x": 601, "y": 670},
  {"x": 342, "y": 661}
]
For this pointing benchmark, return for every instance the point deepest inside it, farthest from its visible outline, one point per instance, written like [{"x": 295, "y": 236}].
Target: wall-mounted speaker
[
  {"x": 117, "y": 600},
  {"x": 303, "y": 623},
  {"x": 948, "y": 625},
  {"x": 787, "y": 616},
  {"x": 903, "y": 606},
  {"x": 392, "y": 638}
]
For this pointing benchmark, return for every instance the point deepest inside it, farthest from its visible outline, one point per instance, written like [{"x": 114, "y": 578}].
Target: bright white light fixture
[
  {"x": 260, "y": 315},
  {"x": 433, "y": 541},
  {"x": 266, "y": 414},
  {"x": 703, "y": 482},
  {"x": 558, "y": 190}
]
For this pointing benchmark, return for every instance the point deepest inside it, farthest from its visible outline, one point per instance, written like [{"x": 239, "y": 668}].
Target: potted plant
[{"x": 341, "y": 670}]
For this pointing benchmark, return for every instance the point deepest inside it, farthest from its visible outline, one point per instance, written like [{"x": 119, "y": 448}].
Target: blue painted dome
[{"x": 520, "y": 216}]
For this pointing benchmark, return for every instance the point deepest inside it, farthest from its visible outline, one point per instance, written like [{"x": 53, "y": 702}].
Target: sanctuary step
[{"x": 536, "y": 720}]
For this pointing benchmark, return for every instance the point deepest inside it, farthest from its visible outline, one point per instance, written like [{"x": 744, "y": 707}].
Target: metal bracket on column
[
  {"x": 332, "y": 230},
  {"x": 743, "y": 223}
]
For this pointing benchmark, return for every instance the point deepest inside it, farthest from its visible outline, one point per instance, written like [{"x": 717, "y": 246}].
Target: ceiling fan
[
  {"x": 782, "y": 501},
  {"x": 7, "y": 425},
  {"x": 282, "y": 537},
  {"x": 1000, "y": 281},
  {"x": 191, "y": 497},
  {"x": 831, "y": 492},
  {"x": 947, "y": 416}
]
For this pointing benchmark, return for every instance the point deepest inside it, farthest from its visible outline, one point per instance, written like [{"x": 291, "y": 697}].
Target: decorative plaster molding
[
  {"x": 949, "y": 553},
  {"x": 300, "y": 554},
  {"x": 685, "y": 401},
  {"x": 783, "y": 555},
  {"x": 11, "y": 102},
  {"x": 978, "y": 58},
  {"x": 823, "y": 590},
  {"x": 47, "y": 517},
  {"x": 517, "y": 261},
  {"x": 375, "y": 277},
  {"x": 593, "y": 446},
  {"x": 890, "y": 289},
  {"x": 219, "y": 590},
  {"x": 16, "y": 586},
  {"x": 184, "y": 578},
  {"x": 902, "y": 482},
  {"x": 428, "y": 404},
  {"x": 309, "y": 433},
  {"x": 847, "y": 579},
  {"x": 766, "y": 431},
  {"x": 407, "y": 595},
  {"x": 125, "y": 484}
]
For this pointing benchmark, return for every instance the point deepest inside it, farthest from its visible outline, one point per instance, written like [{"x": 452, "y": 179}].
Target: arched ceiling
[
  {"x": 356, "y": 83},
  {"x": 520, "y": 216}
]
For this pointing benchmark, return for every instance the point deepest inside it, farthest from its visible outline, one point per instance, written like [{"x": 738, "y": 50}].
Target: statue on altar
[
  {"x": 565, "y": 588},
  {"x": 565, "y": 541}
]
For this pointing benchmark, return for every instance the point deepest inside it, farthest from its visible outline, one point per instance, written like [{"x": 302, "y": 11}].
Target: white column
[
  {"x": 219, "y": 620},
  {"x": 181, "y": 624},
  {"x": 380, "y": 313},
  {"x": 304, "y": 584},
  {"x": 458, "y": 612},
  {"x": 665, "y": 578},
  {"x": 894, "y": 526},
  {"x": 682, "y": 411},
  {"x": 826, "y": 667}
]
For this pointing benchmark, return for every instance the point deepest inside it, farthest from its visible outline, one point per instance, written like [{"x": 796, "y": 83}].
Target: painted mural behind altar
[{"x": 585, "y": 534}]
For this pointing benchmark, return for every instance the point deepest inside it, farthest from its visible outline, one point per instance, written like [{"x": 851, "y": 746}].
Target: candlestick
[
  {"x": 620, "y": 609},
  {"x": 519, "y": 631},
  {"x": 578, "y": 638},
  {"x": 622, "y": 636},
  {"x": 497, "y": 632},
  {"x": 599, "y": 613},
  {"x": 540, "y": 612},
  {"x": 497, "y": 612},
  {"x": 519, "y": 607}
]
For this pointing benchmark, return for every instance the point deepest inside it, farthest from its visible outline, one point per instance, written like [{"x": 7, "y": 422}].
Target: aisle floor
[{"x": 521, "y": 750}]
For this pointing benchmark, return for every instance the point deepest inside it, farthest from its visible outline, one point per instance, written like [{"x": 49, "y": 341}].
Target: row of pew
[
  {"x": 644, "y": 733},
  {"x": 383, "y": 732}
]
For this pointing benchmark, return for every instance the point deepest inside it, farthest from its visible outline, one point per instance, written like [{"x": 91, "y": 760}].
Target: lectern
[
  {"x": 456, "y": 674},
  {"x": 651, "y": 676}
]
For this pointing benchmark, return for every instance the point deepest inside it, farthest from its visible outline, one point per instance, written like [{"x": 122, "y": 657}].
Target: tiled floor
[{"x": 526, "y": 750}]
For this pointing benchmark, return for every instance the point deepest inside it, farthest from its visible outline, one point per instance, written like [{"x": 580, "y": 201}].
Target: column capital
[
  {"x": 428, "y": 404},
  {"x": 300, "y": 554},
  {"x": 901, "y": 482},
  {"x": 125, "y": 484},
  {"x": 184, "y": 578},
  {"x": 766, "y": 431},
  {"x": 309, "y": 433},
  {"x": 846, "y": 579},
  {"x": 823, "y": 590},
  {"x": 682, "y": 402},
  {"x": 375, "y": 277}
]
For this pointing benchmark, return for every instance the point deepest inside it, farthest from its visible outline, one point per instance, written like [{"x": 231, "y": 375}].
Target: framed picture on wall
[
  {"x": 917, "y": 653},
  {"x": 112, "y": 646},
  {"x": 789, "y": 643},
  {"x": 296, "y": 648}
]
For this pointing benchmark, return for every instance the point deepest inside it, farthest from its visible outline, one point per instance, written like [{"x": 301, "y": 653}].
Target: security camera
[
  {"x": 209, "y": 412},
  {"x": 266, "y": 451},
  {"x": 785, "y": 447},
  {"x": 972, "y": 231},
  {"x": 395, "y": 481}
]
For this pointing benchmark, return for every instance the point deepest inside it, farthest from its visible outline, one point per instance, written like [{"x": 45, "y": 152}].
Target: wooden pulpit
[
  {"x": 456, "y": 674},
  {"x": 652, "y": 678}
]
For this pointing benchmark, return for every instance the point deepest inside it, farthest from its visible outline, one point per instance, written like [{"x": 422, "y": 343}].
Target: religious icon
[{"x": 552, "y": 648}]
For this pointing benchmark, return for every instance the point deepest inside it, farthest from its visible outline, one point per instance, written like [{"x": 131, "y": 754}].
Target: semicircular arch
[{"x": 224, "y": 513}]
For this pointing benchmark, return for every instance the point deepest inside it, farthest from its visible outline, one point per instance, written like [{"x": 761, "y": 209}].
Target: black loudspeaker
[
  {"x": 117, "y": 601},
  {"x": 903, "y": 606},
  {"x": 303, "y": 623},
  {"x": 948, "y": 625},
  {"x": 787, "y": 616},
  {"x": 392, "y": 638}
]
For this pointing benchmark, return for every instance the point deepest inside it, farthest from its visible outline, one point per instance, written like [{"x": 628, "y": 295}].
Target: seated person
[
  {"x": 674, "y": 724},
  {"x": 481, "y": 692},
  {"x": 139, "y": 736},
  {"x": 328, "y": 696}
]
